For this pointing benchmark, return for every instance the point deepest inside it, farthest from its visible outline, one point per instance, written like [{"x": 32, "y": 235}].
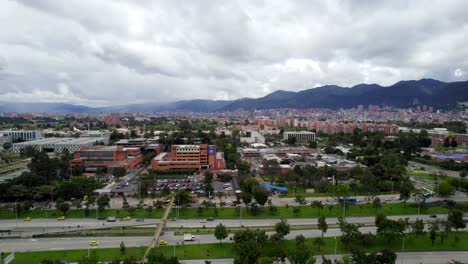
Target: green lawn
[
  {"x": 76, "y": 213},
  {"x": 76, "y": 255},
  {"x": 226, "y": 250},
  {"x": 233, "y": 213},
  {"x": 420, "y": 173},
  {"x": 311, "y": 212}
]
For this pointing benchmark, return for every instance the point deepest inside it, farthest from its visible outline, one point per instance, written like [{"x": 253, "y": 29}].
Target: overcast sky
[{"x": 118, "y": 52}]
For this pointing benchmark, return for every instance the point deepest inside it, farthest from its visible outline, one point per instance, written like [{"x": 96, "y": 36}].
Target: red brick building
[
  {"x": 197, "y": 157},
  {"x": 109, "y": 157}
]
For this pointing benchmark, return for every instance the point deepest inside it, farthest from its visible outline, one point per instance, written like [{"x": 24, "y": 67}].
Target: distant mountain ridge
[{"x": 444, "y": 95}]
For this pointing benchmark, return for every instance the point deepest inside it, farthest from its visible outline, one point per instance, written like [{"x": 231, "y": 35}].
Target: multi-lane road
[
  {"x": 39, "y": 244},
  {"x": 37, "y": 226}
]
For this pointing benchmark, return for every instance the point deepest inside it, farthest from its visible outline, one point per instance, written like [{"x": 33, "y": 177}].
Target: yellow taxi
[
  {"x": 127, "y": 218},
  {"x": 61, "y": 217},
  {"x": 27, "y": 219},
  {"x": 162, "y": 242},
  {"x": 94, "y": 243}
]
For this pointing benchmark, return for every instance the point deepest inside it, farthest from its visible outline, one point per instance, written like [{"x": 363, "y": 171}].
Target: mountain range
[{"x": 443, "y": 95}]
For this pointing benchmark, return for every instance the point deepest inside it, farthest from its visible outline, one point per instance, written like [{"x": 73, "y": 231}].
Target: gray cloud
[{"x": 116, "y": 52}]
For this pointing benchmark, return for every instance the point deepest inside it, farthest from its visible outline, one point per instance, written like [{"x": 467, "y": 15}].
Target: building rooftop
[
  {"x": 62, "y": 141},
  {"x": 161, "y": 156}
]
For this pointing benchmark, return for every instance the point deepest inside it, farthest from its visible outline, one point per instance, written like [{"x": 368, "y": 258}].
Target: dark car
[{"x": 210, "y": 219}]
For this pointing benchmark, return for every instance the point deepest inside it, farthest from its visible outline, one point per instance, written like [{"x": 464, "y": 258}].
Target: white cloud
[
  {"x": 458, "y": 73},
  {"x": 117, "y": 52}
]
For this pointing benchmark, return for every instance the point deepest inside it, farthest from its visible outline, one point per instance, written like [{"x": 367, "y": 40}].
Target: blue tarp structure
[
  {"x": 274, "y": 187},
  {"x": 453, "y": 156}
]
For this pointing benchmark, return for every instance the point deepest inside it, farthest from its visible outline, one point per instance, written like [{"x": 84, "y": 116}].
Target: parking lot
[{"x": 191, "y": 183}]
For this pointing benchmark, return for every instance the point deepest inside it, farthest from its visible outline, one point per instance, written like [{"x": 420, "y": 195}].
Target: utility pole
[
  {"x": 344, "y": 207},
  {"x": 336, "y": 245},
  {"x": 16, "y": 213}
]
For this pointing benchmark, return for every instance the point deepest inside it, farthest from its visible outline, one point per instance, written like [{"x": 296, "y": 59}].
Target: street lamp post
[
  {"x": 402, "y": 250},
  {"x": 344, "y": 207},
  {"x": 336, "y": 244},
  {"x": 16, "y": 213},
  {"x": 97, "y": 216}
]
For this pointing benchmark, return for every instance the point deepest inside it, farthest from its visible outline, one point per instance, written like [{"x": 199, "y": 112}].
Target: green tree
[
  {"x": 282, "y": 228},
  {"x": 62, "y": 206},
  {"x": 405, "y": 193},
  {"x": 455, "y": 218},
  {"x": 122, "y": 248},
  {"x": 182, "y": 198},
  {"x": 300, "y": 199},
  {"x": 133, "y": 134},
  {"x": 248, "y": 245},
  {"x": 208, "y": 181},
  {"x": 220, "y": 232},
  {"x": 301, "y": 254},
  {"x": 418, "y": 227},
  {"x": 433, "y": 228},
  {"x": 119, "y": 172},
  {"x": 260, "y": 195},
  {"x": 447, "y": 142},
  {"x": 317, "y": 204},
  {"x": 376, "y": 203},
  {"x": 313, "y": 144},
  {"x": 444, "y": 188},
  {"x": 322, "y": 225},
  {"x": 453, "y": 143},
  {"x": 246, "y": 198},
  {"x": 7, "y": 145},
  {"x": 103, "y": 202}
]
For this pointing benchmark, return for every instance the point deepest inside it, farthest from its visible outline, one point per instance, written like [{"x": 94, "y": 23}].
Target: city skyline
[{"x": 114, "y": 53}]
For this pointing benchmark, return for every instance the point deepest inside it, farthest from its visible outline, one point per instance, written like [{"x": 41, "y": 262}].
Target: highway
[
  {"x": 44, "y": 226},
  {"x": 48, "y": 244},
  {"x": 40, "y": 226},
  {"x": 45, "y": 244}
]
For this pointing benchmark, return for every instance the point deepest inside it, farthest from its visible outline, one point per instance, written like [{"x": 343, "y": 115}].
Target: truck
[{"x": 189, "y": 237}]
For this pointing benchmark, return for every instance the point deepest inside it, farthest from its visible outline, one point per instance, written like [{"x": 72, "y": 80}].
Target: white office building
[
  {"x": 57, "y": 145},
  {"x": 24, "y": 135},
  {"x": 301, "y": 136}
]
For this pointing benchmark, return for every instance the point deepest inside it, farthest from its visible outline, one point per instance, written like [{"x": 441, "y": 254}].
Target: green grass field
[
  {"x": 76, "y": 213},
  {"x": 311, "y": 212},
  {"x": 77, "y": 255},
  {"x": 306, "y": 211}
]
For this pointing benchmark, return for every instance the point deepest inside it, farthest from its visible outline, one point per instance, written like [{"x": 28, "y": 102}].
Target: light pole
[
  {"x": 344, "y": 207},
  {"x": 336, "y": 244},
  {"x": 16, "y": 213},
  {"x": 97, "y": 216},
  {"x": 402, "y": 250}
]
